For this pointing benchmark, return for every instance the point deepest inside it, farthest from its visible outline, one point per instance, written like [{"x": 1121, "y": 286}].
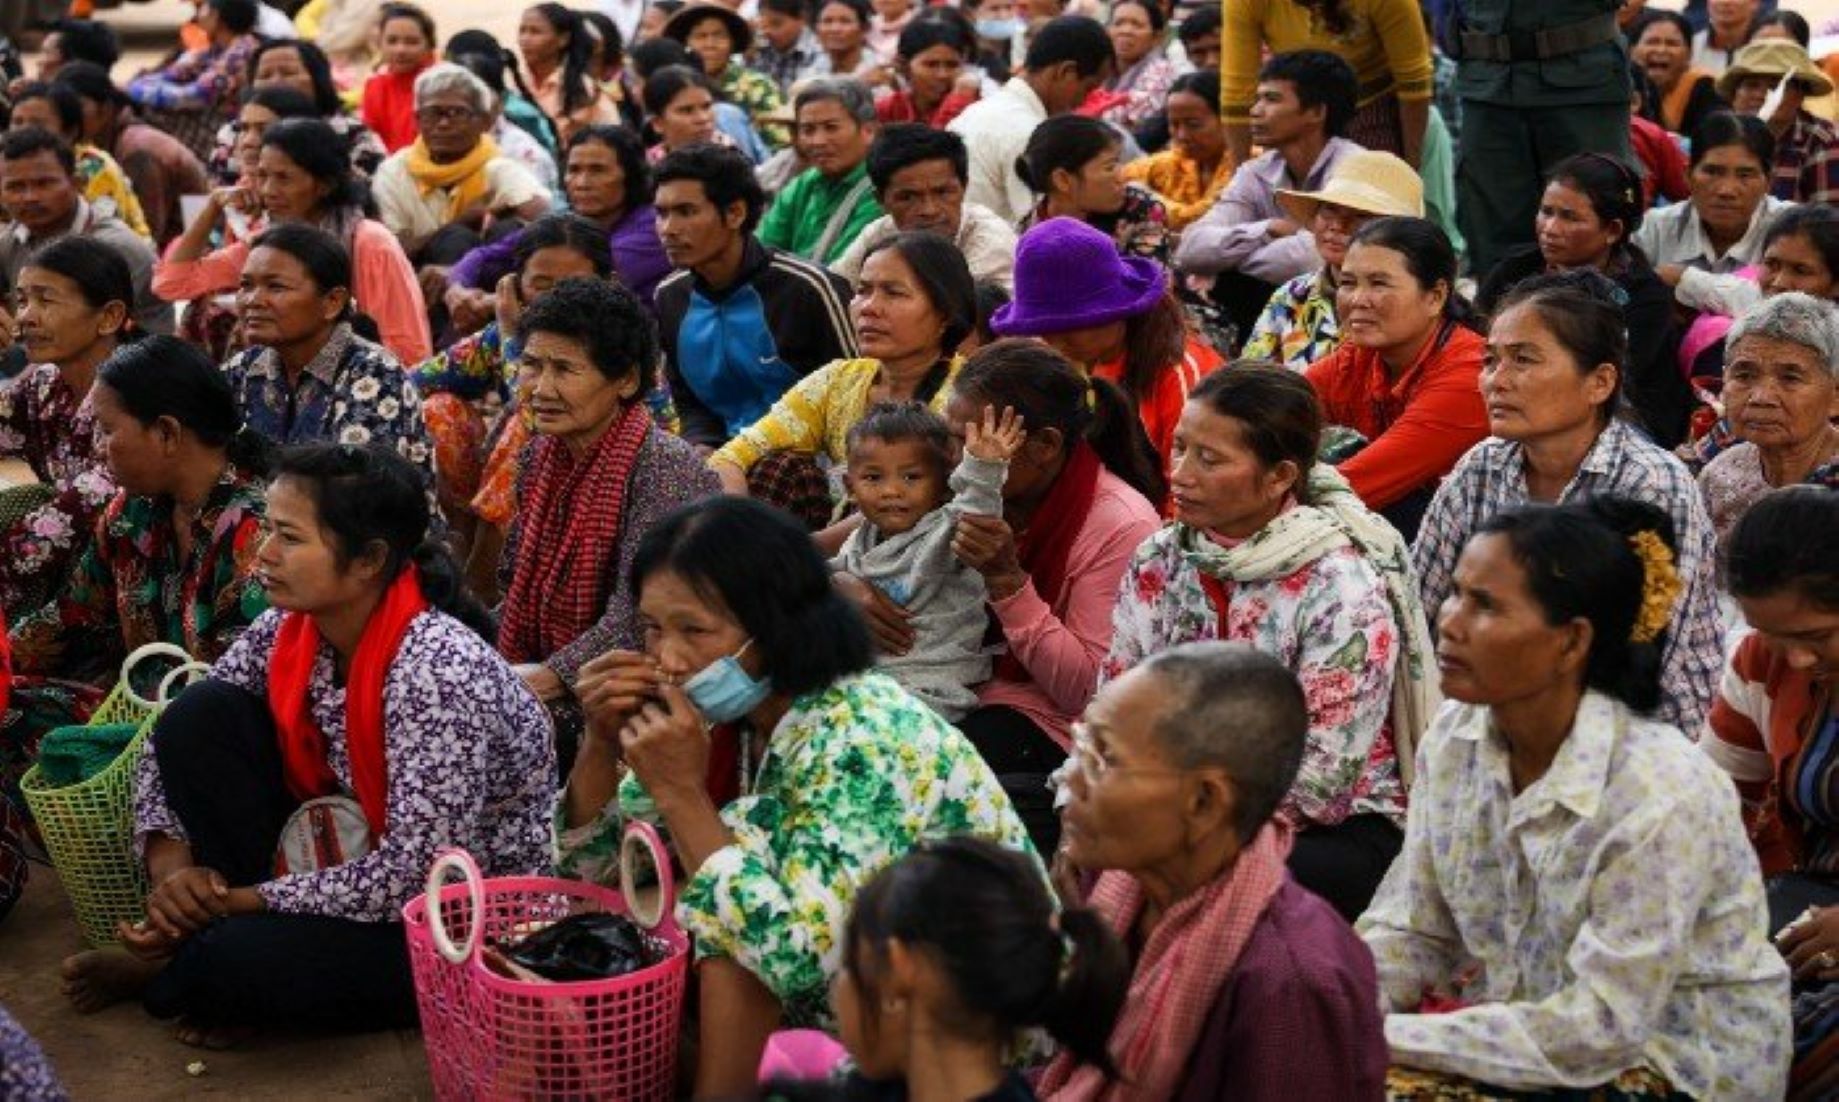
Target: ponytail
[
  {"x": 983, "y": 915},
  {"x": 251, "y": 452},
  {"x": 1049, "y": 392},
  {"x": 444, "y": 587}
]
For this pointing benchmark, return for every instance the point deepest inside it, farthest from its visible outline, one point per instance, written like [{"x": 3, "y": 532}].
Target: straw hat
[
  {"x": 1370, "y": 181},
  {"x": 679, "y": 25},
  {"x": 1069, "y": 275},
  {"x": 1774, "y": 57}
]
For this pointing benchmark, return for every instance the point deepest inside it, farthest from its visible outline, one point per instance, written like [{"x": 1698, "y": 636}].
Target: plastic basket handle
[
  {"x": 141, "y": 654},
  {"x": 191, "y": 671},
  {"x": 451, "y": 857},
  {"x": 643, "y": 834}
]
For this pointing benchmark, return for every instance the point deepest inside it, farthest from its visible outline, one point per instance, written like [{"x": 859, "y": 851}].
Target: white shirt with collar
[
  {"x": 1674, "y": 235},
  {"x": 996, "y": 130}
]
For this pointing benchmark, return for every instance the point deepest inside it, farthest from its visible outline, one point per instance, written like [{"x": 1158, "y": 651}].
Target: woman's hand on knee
[{"x": 187, "y": 901}]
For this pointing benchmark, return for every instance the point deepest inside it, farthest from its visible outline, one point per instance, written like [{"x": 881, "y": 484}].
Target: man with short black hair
[
  {"x": 1067, "y": 59},
  {"x": 818, "y": 215},
  {"x": 1304, "y": 102},
  {"x": 38, "y": 188},
  {"x": 919, "y": 175},
  {"x": 1200, "y": 37},
  {"x": 740, "y": 322}
]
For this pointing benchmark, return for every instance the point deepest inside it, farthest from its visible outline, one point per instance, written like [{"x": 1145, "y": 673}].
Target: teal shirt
[
  {"x": 797, "y": 219},
  {"x": 1438, "y": 170}
]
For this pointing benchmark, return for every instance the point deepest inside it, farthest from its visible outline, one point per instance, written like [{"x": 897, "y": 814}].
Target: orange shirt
[
  {"x": 1161, "y": 407},
  {"x": 1417, "y": 426}
]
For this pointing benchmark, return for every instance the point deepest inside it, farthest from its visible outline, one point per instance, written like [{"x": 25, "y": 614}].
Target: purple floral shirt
[
  {"x": 52, "y": 429},
  {"x": 469, "y": 760},
  {"x": 25, "y": 1074}
]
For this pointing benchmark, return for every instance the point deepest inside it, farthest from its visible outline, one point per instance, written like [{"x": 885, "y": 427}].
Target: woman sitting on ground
[
  {"x": 367, "y": 683},
  {"x": 173, "y": 558},
  {"x": 1116, "y": 317},
  {"x": 914, "y": 305},
  {"x": 198, "y": 90},
  {"x": 1781, "y": 393},
  {"x": 1176, "y": 772},
  {"x": 1075, "y": 504},
  {"x": 933, "y": 61},
  {"x": 303, "y": 177},
  {"x": 73, "y": 305},
  {"x": 1588, "y": 216},
  {"x": 681, "y": 103},
  {"x": 1553, "y": 386},
  {"x": 1071, "y": 162},
  {"x": 307, "y": 375},
  {"x": 1299, "y": 325},
  {"x": 839, "y": 770},
  {"x": 1774, "y": 729},
  {"x": 600, "y": 474},
  {"x": 1405, "y": 376},
  {"x": 1192, "y": 172},
  {"x": 1272, "y": 549},
  {"x": 1576, "y": 902}
]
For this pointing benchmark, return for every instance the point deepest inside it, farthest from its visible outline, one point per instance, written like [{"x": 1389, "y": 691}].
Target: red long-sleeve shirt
[
  {"x": 1417, "y": 425},
  {"x": 1664, "y": 160}
]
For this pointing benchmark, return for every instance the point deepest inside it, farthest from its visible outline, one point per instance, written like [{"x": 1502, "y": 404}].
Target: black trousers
[
  {"x": 1344, "y": 863},
  {"x": 220, "y": 764},
  {"x": 1022, "y": 756}
]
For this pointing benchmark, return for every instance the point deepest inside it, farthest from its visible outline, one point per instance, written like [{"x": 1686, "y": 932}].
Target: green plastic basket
[{"x": 88, "y": 827}]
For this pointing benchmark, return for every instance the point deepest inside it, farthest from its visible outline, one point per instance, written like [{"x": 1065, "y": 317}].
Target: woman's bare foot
[
  {"x": 101, "y": 978},
  {"x": 213, "y": 1038}
]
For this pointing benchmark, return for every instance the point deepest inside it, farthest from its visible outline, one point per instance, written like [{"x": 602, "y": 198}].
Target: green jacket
[
  {"x": 798, "y": 217},
  {"x": 1596, "y": 74}
]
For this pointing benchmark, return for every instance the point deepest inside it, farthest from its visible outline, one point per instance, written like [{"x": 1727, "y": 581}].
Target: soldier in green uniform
[{"x": 1539, "y": 80}]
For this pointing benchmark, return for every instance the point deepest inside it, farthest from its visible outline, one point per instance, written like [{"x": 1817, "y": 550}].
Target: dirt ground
[{"x": 122, "y": 1053}]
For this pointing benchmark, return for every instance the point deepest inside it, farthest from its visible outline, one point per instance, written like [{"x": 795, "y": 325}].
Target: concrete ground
[{"x": 123, "y": 1053}]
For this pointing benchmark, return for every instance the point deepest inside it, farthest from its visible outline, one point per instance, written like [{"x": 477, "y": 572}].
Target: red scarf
[
  {"x": 290, "y": 671},
  {"x": 1044, "y": 546},
  {"x": 569, "y": 526}
]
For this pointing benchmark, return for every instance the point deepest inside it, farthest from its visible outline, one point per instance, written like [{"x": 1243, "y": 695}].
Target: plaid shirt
[
  {"x": 1807, "y": 162},
  {"x": 1492, "y": 478}
]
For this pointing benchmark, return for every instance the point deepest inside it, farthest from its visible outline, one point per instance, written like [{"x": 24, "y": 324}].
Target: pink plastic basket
[{"x": 491, "y": 1037}]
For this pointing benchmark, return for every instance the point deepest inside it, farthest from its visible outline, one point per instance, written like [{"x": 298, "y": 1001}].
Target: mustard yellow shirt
[
  {"x": 1176, "y": 179},
  {"x": 815, "y": 416},
  {"x": 106, "y": 187},
  {"x": 1384, "y": 42}
]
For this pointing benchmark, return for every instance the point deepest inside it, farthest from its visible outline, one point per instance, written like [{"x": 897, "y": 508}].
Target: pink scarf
[{"x": 1178, "y": 978}]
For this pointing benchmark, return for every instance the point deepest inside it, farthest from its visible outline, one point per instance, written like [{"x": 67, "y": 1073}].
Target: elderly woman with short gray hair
[
  {"x": 442, "y": 194},
  {"x": 828, "y": 205},
  {"x": 1781, "y": 393}
]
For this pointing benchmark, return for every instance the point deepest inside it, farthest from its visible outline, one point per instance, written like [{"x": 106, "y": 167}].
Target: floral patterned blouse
[
  {"x": 199, "y": 80},
  {"x": 366, "y": 149},
  {"x": 130, "y": 587},
  {"x": 352, "y": 392},
  {"x": 1330, "y": 622},
  {"x": 52, "y": 429},
  {"x": 755, "y": 93},
  {"x": 853, "y": 777},
  {"x": 1733, "y": 481},
  {"x": 468, "y": 756},
  {"x": 108, "y": 189},
  {"x": 1298, "y": 325},
  {"x": 1176, "y": 179},
  {"x": 1608, "y": 916},
  {"x": 1140, "y": 227}
]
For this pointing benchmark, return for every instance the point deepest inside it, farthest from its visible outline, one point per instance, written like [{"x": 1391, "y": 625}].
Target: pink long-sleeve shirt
[
  {"x": 1063, "y": 645},
  {"x": 382, "y": 277}
]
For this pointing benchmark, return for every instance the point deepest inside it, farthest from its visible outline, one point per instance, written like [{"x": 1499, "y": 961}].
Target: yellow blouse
[
  {"x": 1177, "y": 180},
  {"x": 815, "y": 416},
  {"x": 106, "y": 187}
]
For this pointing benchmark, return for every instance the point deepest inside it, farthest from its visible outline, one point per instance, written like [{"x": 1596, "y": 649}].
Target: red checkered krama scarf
[
  {"x": 569, "y": 523},
  {"x": 1178, "y": 978}
]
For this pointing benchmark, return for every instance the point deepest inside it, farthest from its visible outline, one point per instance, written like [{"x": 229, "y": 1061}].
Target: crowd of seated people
[{"x": 1131, "y": 551}]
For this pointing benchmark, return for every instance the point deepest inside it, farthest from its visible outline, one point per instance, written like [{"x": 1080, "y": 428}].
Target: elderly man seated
[
  {"x": 445, "y": 192},
  {"x": 920, "y": 175},
  {"x": 824, "y": 208},
  {"x": 1174, "y": 776}
]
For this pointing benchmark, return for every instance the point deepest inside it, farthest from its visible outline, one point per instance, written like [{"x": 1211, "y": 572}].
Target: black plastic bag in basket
[{"x": 596, "y": 946}]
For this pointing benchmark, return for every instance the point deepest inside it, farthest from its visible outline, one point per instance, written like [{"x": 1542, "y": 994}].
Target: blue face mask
[
  {"x": 1000, "y": 30},
  {"x": 724, "y": 692}
]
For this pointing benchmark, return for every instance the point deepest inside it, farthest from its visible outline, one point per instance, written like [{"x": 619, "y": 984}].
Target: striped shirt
[{"x": 1492, "y": 478}]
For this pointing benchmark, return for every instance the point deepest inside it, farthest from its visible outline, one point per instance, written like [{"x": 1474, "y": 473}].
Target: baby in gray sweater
[{"x": 899, "y": 457}]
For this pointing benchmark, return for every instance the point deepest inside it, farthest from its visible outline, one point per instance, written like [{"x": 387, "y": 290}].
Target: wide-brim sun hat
[
  {"x": 680, "y": 24},
  {"x": 1370, "y": 181},
  {"x": 1068, "y": 275},
  {"x": 1777, "y": 58}
]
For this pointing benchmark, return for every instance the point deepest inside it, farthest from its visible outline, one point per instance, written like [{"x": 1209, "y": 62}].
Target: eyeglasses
[
  {"x": 428, "y": 116},
  {"x": 1092, "y": 766}
]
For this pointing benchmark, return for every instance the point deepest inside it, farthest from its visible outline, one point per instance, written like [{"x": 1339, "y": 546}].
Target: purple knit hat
[{"x": 1068, "y": 275}]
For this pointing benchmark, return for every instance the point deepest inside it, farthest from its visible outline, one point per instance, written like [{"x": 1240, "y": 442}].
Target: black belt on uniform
[{"x": 1538, "y": 45}]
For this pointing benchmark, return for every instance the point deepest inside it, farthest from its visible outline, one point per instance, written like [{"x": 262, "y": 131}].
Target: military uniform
[{"x": 1539, "y": 81}]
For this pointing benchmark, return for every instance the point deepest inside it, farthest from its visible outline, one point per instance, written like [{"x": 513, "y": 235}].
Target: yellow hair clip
[{"x": 1660, "y": 586}]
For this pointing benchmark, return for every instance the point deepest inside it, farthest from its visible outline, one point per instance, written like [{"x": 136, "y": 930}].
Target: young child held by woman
[{"x": 897, "y": 477}]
